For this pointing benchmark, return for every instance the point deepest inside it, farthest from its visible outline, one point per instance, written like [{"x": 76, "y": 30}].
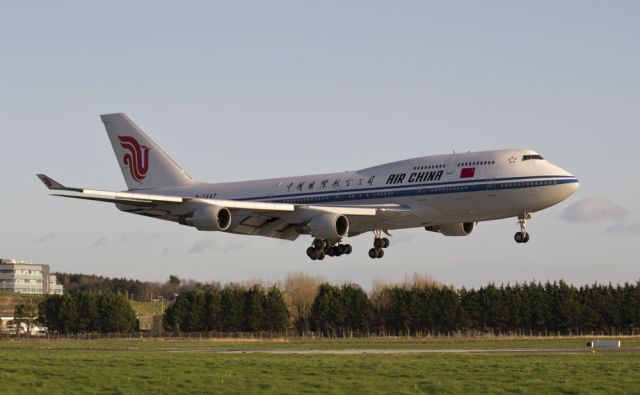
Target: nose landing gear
[{"x": 523, "y": 235}]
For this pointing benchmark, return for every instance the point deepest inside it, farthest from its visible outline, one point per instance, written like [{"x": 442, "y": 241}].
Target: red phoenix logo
[
  {"x": 47, "y": 181},
  {"x": 137, "y": 158}
]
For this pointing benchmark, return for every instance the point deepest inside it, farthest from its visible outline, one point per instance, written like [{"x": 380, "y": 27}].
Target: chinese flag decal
[{"x": 468, "y": 172}]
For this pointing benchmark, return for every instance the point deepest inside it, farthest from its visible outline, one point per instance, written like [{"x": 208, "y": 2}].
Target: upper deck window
[{"x": 529, "y": 157}]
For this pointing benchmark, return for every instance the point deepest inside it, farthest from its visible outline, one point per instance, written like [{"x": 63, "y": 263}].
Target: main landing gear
[
  {"x": 322, "y": 248},
  {"x": 523, "y": 235},
  {"x": 379, "y": 243}
]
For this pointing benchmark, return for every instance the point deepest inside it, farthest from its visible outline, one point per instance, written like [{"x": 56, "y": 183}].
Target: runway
[{"x": 414, "y": 351}]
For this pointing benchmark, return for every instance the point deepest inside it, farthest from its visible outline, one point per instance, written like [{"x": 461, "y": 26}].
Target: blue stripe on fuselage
[{"x": 498, "y": 184}]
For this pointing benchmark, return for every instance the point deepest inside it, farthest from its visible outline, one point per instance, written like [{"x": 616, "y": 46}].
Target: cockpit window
[{"x": 530, "y": 157}]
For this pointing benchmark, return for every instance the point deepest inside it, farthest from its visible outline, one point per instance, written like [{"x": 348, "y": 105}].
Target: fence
[{"x": 310, "y": 335}]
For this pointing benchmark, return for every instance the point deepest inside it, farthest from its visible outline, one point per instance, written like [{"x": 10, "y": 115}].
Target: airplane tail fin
[{"x": 143, "y": 163}]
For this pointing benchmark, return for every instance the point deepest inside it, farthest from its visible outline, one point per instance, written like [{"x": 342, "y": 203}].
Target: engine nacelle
[
  {"x": 326, "y": 226},
  {"x": 210, "y": 218},
  {"x": 455, "y": 229}
]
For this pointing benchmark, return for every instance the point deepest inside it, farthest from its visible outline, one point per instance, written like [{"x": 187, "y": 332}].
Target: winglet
[{"x": 54, "y": 185}]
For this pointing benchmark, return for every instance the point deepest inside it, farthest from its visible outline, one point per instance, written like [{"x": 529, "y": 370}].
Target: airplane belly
[{"x": 481, "y": 206}]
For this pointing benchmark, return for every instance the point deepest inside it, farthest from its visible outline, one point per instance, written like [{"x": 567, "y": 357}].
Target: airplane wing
[{"x": 267, "y": 219}]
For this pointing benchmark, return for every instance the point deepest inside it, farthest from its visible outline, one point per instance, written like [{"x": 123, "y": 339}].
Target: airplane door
[
  {"x": 491, "y": 186},
  {"x": 451, "y": 164}
]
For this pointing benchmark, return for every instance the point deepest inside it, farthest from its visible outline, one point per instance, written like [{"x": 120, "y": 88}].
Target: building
[{"x": 28, "y": 278}]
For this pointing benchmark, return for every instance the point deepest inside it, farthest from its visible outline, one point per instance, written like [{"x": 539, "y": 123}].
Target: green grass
[
  {"x": 144, "y": 366},
  {"x": 577, "y": 343},
  {"x": 148, "y": 308},
  {"x": 51, "y": 371},
  {"x": 8, "y": 300}
]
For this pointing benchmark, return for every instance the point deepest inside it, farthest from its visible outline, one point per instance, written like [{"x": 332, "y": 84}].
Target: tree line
[
  {"x": 552, "y": 308},
  {"x": 416, "y": 309},
  {"x": 133, "y": 289},
  {"x": 418, "y": 305},
  {"x": 520, "y": 309},
  {"x": 86, "y": 312},
  {"x": 230, "y": 309}
]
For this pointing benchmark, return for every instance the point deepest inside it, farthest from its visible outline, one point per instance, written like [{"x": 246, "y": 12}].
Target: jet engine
[
  {"x": 210, "y": 218},
  {"x": 455, "y": 229},
  {"x": 326, "y": 226}
]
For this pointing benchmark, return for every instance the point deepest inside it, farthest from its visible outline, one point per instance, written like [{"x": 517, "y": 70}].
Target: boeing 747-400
[{"x": 448, "y": 194}]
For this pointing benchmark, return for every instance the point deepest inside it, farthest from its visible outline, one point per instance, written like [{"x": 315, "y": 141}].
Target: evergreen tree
[
  {"x": 116, "y": 314},
  {"x": 589, "y": 320},
  {"x": 253, "y": 311},
  {"x": 48, "y": 312},
  {"x": 629, "y": 308},
  {"x": 399, "y": 316},
  {"x": 67, "y": 314},
  {"x": 232, "y": 308},
  {"x": 470, "y": 300},
  {"x": 275, "y": 310},
  {"x": 88, "y": 317},
  {"x": 358, "y": 310},
  {"x": 534, "y": 312},
  {"x": 176, "y": 313},
  {"x": 327, "y": 311},
  {"x": 191, "y": 319},
  {"x": 447, "y": 308},
  {"x": 212, "y": 310}
]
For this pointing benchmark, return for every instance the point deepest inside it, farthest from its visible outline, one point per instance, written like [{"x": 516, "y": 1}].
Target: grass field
[
  {"x": 247, "y": 343},
  {"x": 148, "y": 308},
  {"x": 8, "y": 300},
  {"x": 147, "y": 366}
]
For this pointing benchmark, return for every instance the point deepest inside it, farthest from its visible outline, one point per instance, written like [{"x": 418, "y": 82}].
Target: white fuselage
[{"x": 465, "y": 187}]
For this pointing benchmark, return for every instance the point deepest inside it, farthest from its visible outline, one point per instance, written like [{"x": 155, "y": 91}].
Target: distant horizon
[{"x": 406, "y": 280}]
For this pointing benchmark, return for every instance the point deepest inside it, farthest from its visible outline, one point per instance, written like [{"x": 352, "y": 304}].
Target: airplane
[{"x": 448, "y": 194}]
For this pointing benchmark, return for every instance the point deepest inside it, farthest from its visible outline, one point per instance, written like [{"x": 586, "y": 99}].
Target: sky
[{"x": 244, "y": 90}]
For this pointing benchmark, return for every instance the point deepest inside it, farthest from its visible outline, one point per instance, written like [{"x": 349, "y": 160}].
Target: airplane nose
[
  {"x": 574, "y": 185},
  {"x": 569, "y": 187}
]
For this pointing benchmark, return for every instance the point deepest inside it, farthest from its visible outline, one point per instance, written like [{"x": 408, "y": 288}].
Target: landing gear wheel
[
  {"x": 521, "y": 237},
  {"x": 319, "y": 244},
  {"x": 347, "y": 249},
  {"x": 518, "y": 237},
  {"x": 340, "y": 250},
  {"x": 331, "y": 251},
  {"x": 320, "y": 255},
  {"x": 311, "y": 253},
  {"x": 379, "y": 243},
  {"x": 373, "y": 253}
]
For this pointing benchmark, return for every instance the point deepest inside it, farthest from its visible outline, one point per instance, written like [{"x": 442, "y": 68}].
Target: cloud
[
  {"x": 46, "y": 237},
  {"x": 592, "y": 210},
  {"x": 101, "y": 242},
  {"x": 204, "y": 245},
  {"x": 622, "y": 230}
]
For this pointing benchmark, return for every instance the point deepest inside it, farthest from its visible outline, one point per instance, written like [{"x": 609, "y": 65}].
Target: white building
[{"x": 28, "y": 278}]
